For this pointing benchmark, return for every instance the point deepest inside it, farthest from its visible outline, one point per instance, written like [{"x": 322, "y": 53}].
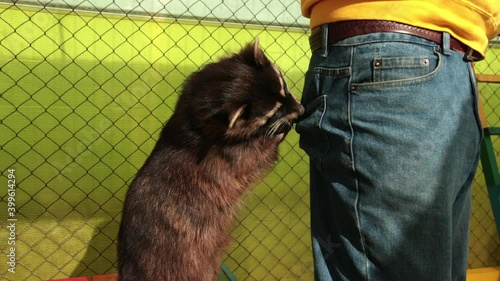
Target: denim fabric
[{"x": 393, "y": 135}]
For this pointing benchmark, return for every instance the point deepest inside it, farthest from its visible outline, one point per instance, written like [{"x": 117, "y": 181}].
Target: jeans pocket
[
  {"x": 399, "y": 71},
  {"x": 387, "y": 69},
  {"x": 312, "y": 138}
]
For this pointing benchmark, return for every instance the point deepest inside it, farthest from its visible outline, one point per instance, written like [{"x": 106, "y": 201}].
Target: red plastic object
[{"x": 103, "y": 277}]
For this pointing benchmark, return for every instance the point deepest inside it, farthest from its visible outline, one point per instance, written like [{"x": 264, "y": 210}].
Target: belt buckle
[{"x": 469, "y": 54}]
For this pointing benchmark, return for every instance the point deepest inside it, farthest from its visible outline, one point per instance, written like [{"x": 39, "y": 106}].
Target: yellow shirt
[{"x": 474, "y": 22}]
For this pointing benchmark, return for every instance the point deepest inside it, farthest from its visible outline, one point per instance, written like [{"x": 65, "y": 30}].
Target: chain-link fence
[
  {"x": 86, "y": 86},
  {"x": 484, "y": 240}
]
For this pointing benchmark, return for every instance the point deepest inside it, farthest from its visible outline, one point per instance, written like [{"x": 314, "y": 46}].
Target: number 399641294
[{"x": 11, "y": 193}]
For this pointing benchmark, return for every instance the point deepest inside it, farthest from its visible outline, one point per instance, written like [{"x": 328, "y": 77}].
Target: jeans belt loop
[
  {"x": 446, "y": 44},
  {"x": 324, "y": 40}
]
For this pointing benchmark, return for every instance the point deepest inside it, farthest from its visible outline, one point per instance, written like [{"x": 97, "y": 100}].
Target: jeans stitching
[
  {"x": 353, "y": 166},
  {"x": 415, "y": 40},
  {"x": 325, "y": 136},
  {"x": 475, "y": 94}
]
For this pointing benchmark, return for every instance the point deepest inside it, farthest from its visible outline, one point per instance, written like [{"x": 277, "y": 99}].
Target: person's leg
[{"x": 393, "y": 138}]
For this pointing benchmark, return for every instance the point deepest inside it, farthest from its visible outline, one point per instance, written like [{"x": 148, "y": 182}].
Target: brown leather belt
[{"x": 344, "y": 29}]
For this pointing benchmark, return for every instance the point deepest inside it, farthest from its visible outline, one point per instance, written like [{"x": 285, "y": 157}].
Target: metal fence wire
[
  {"x": 85, "y": 88},
  {"x": 484, "y": 240}
]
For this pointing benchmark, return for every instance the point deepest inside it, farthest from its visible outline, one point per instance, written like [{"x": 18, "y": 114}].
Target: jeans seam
[
  {"x": 353, "y": 167},
  {"x": 320, "y": 124},
  {"x": 374, "y": 41},
  {"x": 476, "y": 100}
]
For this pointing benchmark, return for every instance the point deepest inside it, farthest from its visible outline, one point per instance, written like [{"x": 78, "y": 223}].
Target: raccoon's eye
[
  {"x": 282, "y": 99},
  {"x": 247, "y": 111}
]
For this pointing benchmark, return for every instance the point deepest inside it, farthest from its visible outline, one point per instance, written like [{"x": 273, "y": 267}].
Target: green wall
[{"x": 83, "y": 99}]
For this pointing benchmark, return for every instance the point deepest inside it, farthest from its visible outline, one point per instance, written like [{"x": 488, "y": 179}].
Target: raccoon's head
[{"x": 239, "y": 98}]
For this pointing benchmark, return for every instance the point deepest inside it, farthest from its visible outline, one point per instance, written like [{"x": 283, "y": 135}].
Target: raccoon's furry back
[{"x": 223, "y": 135}]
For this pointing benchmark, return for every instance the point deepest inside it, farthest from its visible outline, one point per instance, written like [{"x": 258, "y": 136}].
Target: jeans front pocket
[
  {"x": 312, "y": 138},
  {"x": 323, "y": 98}
]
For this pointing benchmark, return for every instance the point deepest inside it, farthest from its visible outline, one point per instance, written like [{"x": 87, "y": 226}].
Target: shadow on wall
[{"x": 100, "y": 257}]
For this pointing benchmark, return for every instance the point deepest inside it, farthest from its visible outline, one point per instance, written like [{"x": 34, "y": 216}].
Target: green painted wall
[{"x": 83, "y": 99}]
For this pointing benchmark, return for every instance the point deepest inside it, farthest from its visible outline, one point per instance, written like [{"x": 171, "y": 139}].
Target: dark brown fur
[{"x": 223, "y": 135}]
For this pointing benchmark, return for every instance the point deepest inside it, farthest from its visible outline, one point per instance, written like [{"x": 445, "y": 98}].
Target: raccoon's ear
[
  {"x": 234, "y": 116},
  {"x": 260, "y": 58}
]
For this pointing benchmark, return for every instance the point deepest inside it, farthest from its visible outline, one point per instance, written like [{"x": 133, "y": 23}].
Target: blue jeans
[{"x": 393, "y": 134}]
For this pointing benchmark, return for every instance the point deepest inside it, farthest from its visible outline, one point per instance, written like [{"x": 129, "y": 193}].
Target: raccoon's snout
[
  {"x": 294, "y": 108},
  {"x": 300, "y": 110},
  {"x": 297, "y": 113}
]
